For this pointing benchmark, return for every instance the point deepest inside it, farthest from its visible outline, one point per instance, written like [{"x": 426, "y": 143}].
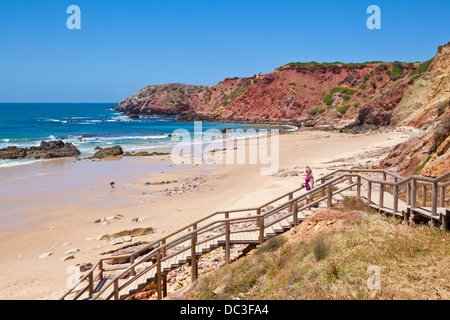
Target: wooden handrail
[{"x": 327, "y": 181}]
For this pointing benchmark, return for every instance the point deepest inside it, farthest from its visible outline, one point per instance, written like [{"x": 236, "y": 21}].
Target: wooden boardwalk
[{"x": 267, "y": 221}]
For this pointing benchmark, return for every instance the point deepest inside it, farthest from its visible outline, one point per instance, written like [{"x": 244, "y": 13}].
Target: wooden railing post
[
  {"x": 413, "y": 193},
  {"x": 158, "y": 274},
  {"x": 164, "y": 289},
  {"x": 408, "y": 194},
  {"x": 91, "y": 283},
  {"x": 258, "y": 212},
  {"x": 133, "y": 269},
  {"x": 261, "y": 230},
  {"x": 194, "y": 271},
  {"x": 395, "y": 208},
  {"x": 322, "y": 181},
  {"x": 434, "y": 194},
  {"x": 358, "y": 187},
  {"x": 424, "y": 195},
  {"x": 291, "y": 196},
  {"x": 227, "y": 242},
  {"x": 330, "y": 196},
  {"x": 164, "y": 253},
  {"x": 442, "y": 196},
  {"x": 295, "y": 213},
  {"x": 100, "y": 266},
  {"x": 369, "y": 192},
  {"x": 381, "y": 202},
  {"x": 116, "y": 289}
]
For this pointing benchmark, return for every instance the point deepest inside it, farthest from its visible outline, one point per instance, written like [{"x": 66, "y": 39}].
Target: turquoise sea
[{"x": 88, "y": 125}]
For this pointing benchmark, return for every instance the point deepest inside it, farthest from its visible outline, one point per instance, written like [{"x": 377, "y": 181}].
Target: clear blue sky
[{"x": 124, "y": 46}]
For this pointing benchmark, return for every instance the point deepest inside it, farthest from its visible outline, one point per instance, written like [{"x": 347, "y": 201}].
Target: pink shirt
[{"x": 307, "y": 179}]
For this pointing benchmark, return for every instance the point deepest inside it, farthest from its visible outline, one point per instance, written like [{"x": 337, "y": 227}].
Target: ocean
[{"x": 88, "y": 125}]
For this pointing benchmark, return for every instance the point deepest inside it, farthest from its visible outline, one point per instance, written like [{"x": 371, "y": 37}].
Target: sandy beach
[{"x": 53, "y": 205}]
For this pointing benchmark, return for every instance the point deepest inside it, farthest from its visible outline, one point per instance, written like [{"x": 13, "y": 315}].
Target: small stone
[
  {"x": 75, "y": 250},
  {"x": 45, "y": 255},
  {"x": 105, "y": 237},
  {"x": 85, "y": 267},
  {"x": 67, "y": 258},
  {"x": 220, "y": 289},
  {"x": 121, "y": 240}
]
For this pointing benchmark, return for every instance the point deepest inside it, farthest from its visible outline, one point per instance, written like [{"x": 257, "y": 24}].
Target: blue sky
[{"x": 124, "y": 46}]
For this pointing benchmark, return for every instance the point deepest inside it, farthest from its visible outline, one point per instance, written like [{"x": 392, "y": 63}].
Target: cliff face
[
  {"x": 169, "y": 99},
  {"x": 319, "y": 93},
  {"x": 425, "y": 105}
]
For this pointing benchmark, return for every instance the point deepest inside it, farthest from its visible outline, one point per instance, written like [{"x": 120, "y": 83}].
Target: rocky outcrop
[
  {"x": 427, "y": 99},
  {"x": 427, "y": 153},
  {"x": 108, "y": 152},
  {"x": 169, "y": 99},
  {"x": 425, "y": 105},
  {"x": 379, "y": 112},
  {"x": 50, "y": 149}
]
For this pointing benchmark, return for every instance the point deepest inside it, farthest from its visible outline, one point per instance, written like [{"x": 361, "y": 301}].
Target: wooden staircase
[{"x": 219, "y": 229}]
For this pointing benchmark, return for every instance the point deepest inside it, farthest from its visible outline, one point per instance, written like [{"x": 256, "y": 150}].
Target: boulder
[
  {"x": 50, "y": 149},
  {"x": 13, "y": 153},
  {"x": 109, "y": 152}
]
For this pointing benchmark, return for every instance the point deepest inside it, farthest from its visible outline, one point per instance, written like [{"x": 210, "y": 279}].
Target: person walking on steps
[{"x": 309, "y": 184}]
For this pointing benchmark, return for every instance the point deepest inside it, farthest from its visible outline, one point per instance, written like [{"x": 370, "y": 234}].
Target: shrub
[
  {"x": 313, "y": 112},
  {"x": 397, "y": 71},
  {"x": 271, "y": 245},
  {"x": 346, "y": 97},
  {"x": 423, "y": 67},
  {"x": 293, "y": 84},
  {"x": 379, "y": 78},
  {"x": 328, "y": 98},
  {"x": 321, "y": 248},
  {"x": 356, "y": 204},
  {"x": 322, "y": 110},
  {"x": 343, "y": 109}
]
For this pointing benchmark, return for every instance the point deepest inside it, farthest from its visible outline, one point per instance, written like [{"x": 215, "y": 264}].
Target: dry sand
[{"x": 52, "y": 206}]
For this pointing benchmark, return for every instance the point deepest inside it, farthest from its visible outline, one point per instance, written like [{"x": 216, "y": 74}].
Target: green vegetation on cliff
[{"x": 328, "y": 98}]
